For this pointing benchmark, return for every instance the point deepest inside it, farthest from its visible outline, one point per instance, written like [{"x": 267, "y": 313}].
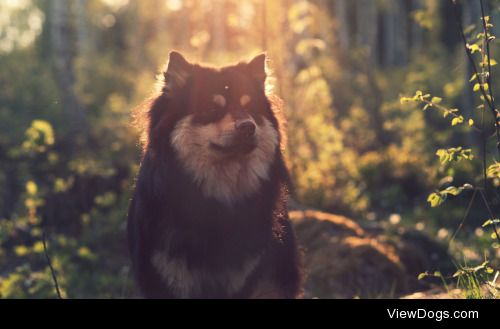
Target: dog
[{"x": 208, "y": 216}]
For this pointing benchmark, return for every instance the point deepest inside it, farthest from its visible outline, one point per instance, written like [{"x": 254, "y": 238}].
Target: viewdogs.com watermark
[{"x": 433, "y": 315}]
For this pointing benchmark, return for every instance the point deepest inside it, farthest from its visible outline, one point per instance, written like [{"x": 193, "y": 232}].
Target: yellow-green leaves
[
  {"x": 473, "y": 48},
  {"x": 418, "y": 97},
  {"x": 435, "y": 199},
  {"x": 31, "y": 188},
  {"x": 477, "y": 87},
  {"x": 486, "y": 20},
  {"x": 491, "y": 222},
  {"x": 487, "y": 61},
  {"x": 436, "y": 274},
  {"x": 438, "y": 197},
  {"x": 39, "y": 136},
  {"x": 493, "y": 170},
  {"x": 457, "y": 120},
  {"x": 472, "y": 270},
  {"x": 436, "y": 100},
  {"x": 454, "y": 154}
]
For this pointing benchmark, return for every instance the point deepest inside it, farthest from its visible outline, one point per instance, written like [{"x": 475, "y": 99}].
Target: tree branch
[{"x": 52, "y": 271}]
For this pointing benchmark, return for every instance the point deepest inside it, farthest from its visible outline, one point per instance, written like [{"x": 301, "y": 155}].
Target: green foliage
[
  {"x": 471, "y": 280},
  {"x": 39, "y": 136},
  {"x": 454, "y": 154},
  {"x": 437, "y": 198}
]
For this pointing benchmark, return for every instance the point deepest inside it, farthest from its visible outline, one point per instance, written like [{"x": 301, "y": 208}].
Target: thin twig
[
  {"x": 52, "y": 271},
  {"x": 444, "y": 109},
  {"x": 464, "y": 217},
  {"x": 491, "y": 215}
]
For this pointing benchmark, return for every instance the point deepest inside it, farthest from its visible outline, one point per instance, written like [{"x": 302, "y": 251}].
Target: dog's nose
[{"x": 245, "y": 128}]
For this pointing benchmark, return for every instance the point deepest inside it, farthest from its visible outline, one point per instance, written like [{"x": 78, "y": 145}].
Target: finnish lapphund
[{"x": 208, "y": 218}]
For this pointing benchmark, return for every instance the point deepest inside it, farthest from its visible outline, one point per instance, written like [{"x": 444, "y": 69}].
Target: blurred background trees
[{"x": 72, "y": 71}]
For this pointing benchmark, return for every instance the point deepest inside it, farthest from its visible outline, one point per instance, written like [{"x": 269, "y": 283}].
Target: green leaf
[
  {"x": 473, "y": 48},
  {"x": 493, "y": 170},
  {"x": 422, "y": 276},
  {"x": 436, "y": 100},
  {"x": 476, "y": 87},
  {"x": 31, "y": 188},
  {"x": 404, "y": 100},
  {"x": 457, "y": 120},
  {"x": 491, "y": 222},
  {"x": 474, "y": 77},
  {"x": 39, "y": 136},
  {"x": 471, "y": 122},
  {"x": 436, "y": 199},
  {"x": 452, "y": 190},
  {"x": 493, "y": 62}
]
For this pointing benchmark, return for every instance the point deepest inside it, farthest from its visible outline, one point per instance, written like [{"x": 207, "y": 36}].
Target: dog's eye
[
  {"x": 245, "y": 100},
  {"x": 213, "y": 113}
]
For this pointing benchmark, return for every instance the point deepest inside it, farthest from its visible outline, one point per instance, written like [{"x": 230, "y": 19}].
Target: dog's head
[{"x": 219, "y": 122}]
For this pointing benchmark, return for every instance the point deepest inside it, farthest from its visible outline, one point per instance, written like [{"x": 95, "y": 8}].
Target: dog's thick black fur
[{"x": 204, "y": 247}]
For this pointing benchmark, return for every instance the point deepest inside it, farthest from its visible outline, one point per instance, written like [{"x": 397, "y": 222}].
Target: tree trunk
[
  {"x": 63, "y": 60},
  {"x": 342, "y": 25},
  {"x": 417, "y": 33},
  {"x": 366, "y": 35}
]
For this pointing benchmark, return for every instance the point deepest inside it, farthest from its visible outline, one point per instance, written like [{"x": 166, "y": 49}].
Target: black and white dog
[{"x": 208, "y": 218}]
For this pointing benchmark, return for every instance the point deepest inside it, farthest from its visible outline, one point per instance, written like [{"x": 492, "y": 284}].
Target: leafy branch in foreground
[{"x": 470, "y": 277}]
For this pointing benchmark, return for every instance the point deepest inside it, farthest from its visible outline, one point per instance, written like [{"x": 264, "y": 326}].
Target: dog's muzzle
[{"x": 243, "y": 141}]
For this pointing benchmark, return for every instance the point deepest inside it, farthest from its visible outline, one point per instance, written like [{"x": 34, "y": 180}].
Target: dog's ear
[
  {"x": 178, "y": 71},
  {"x": 257, "y": 68}
]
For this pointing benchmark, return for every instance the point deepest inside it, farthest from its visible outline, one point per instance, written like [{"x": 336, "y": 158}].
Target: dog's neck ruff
[{"x": 227, "y": 180}]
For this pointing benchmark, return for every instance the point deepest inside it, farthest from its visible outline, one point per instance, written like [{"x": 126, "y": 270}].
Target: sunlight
[
  {"x": 116, "y": 5},
  {"x": 20, "y": 24},
  {"x": 16, "y": 4},
  {"x": 173, "y": 5}
]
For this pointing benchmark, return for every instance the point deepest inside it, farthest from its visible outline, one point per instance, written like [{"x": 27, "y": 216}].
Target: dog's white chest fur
[{"x": 186, "y": 283}]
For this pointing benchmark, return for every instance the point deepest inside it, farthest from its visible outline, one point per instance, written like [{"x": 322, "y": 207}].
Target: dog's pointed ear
[
  {"x": 178, "y": 71},
  {"x": 257, "y": 68}
]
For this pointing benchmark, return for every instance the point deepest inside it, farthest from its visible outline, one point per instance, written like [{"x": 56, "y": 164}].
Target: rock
[{"x": 344, "y": 260}]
